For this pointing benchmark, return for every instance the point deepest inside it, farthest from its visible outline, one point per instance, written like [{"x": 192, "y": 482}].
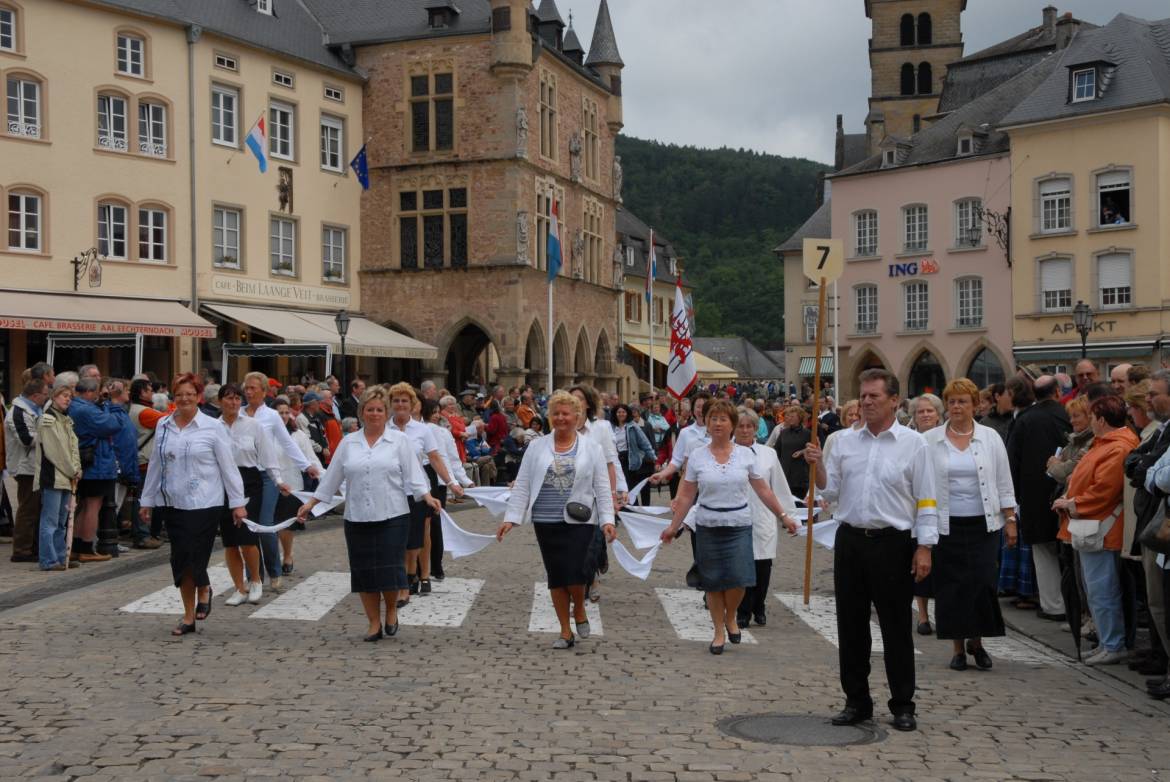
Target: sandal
[
  {"x": 183, "y": 629},
  {"x": 203, "y": 610}
]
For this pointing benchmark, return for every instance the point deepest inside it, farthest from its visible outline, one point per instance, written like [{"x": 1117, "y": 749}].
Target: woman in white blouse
[
  {"x": 755, "y": 600},
  {"x": 432, "y": 553},
  {"x": 973, "y": 486},
  {"x": 599, "y": 430},
  {"x": 190, "y": 469},
  {"x": 254, "y": 454},
  {"x": 725, "y": 474},
  {"x": 380, "y": 470}
]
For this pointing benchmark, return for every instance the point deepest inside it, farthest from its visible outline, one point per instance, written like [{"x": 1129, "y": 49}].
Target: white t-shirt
[
  {"x": 963, "y": 483},
  {"x": 723, "y": 488}
]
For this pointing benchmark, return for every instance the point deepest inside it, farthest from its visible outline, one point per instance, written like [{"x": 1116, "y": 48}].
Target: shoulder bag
[{"x": 1089, "y": 534}]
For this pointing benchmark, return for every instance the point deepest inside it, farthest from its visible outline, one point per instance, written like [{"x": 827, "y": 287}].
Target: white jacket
[
  {"x": 449, "y": 453},
  {"x": 590, "y": 483},
  {"x": 763, "y": 520},
  {"x": 995, "y": 476}
]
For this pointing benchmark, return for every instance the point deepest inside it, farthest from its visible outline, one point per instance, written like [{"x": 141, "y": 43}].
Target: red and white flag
[{"x": 680, "y": 372}]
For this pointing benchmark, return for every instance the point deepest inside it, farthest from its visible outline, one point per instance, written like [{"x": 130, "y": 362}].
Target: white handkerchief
[
  {"x": 824, "y": 532},
  {"x": 657, "y": 510},
  {"x": 636, "y": 492},
  {"x": 461, "y": 543},
  {"x": 638, "y": 568},
  {"x": 645, "y": 531},
  {"x": 493, "y": 498},
  {"x": 275, "y": 528},
  {"x": 1160, "y": 561},
  {"x": 321, "y": 508}
]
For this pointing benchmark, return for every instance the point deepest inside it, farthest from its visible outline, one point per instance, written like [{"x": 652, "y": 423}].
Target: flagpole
[
  {"x": 550, "y": 339},
  {"x": 650, "y": 262}
]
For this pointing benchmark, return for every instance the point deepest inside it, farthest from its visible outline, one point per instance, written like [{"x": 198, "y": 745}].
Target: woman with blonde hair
[
  {"x": 381, "y": 471},
  {"x": 563, "y": 488}
]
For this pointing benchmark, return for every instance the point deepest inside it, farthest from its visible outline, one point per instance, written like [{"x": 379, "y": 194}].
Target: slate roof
[
  {"x": 292, "y": 29},
  {"x": 548, "y": 12},
  {"x": 380, "y": 21},
  {"x": 986, "y": 113},
  {"x": 745, "y": 358},
  {"x": 856, "y": 148},
  {"x": 604, "y": 49},
  {"x": 1137, "y": 74},
  {"x": 817, "y": 226},
  {"x": 635, "y": 233},
  {"x": 571, "y": 42}
]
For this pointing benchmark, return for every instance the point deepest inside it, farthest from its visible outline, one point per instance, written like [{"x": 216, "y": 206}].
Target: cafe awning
[
  {"x": 365, "y": 338},
  {"x": 1070, "y": 351},
  {"x": 100, "y": 315},
  {"x": 706, "y": 367},
  {"x": 808, "y": 366}
]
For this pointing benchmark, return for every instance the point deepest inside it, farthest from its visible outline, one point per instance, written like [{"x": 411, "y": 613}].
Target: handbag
[
  {"x": 579, "y": 511},
  {"x": 1156, "y": 535},
  {"x": 1089, "y": 534}
]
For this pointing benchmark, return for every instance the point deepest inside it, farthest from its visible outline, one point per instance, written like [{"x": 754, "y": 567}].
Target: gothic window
[
  {"x": 907, "y": 79},
  {"x": 435, "y": 235},
  {"x": 548, "y": 115},
  {"x": 592, "y": 146}
]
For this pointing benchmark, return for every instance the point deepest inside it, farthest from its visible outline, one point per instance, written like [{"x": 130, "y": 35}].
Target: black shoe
[
  {"x": 715, "y": 649},
  {"x": 924, "y": 628},
  {"x": 982, "y": 659},
  {"x": 413, "y": 586},
  {"x": 391, "y": 630},
  {"x": 286, "y": 568},
  {"x": 203, "y": 610},
  {"x": 851, "y": 715},
  {"x": 1051, "y": 617},
  {"x": 372, "y": 637},
  {"x": 1161, "y": 692},
  {"x": 1156, "y": 682},
  {"x": 743, "y": 621},
  {"x": 25, "y": 558},
  {"x": 760, "y": 619},
  {"x": 438, "y": 576},
  {"x": 424, "y": 587},
  {"x": 959, "y": 662},
  {"x": 1151, "y": 667},
  {"x": 904, "y": 722},
  {"x": 183, "y": 629},
  {"x": 735, "y": 637}
]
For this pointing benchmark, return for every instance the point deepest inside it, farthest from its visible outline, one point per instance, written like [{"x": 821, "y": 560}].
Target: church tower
[{"x": 912, "y": 42}]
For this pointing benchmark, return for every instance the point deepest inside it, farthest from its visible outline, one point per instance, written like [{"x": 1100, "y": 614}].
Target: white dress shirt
[
  {"x": 449, "y": 453},
  {"x": 724, "y": 488},
  {"x": 191, "y": 467},
  {"x": 993, "y": 489},
  {"x": 293, "y": 476},
  {"x": 883, "y": 481},
  {"x": 378, "y": 478},
  {"x": 688, "y": 440},
  {"x": 252, "y": 446},
  {"x": 421, "y": 438},
  {"x": 274, "y": 425}
]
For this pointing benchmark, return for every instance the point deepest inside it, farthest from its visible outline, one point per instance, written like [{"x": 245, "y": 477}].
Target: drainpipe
[{"x": 194, "y": 32}]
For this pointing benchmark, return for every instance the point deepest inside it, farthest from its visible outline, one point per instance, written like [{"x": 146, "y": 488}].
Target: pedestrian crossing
[{"x": 450, "y": 602}]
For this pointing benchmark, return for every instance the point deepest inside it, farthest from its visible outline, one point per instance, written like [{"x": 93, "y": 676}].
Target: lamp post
[
  {"x": 342, "y": 321},
  {"x": 1083, "y": 321}
]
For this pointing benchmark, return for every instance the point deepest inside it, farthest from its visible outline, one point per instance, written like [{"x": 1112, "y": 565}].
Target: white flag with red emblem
[{"x": 680, "y": 372}]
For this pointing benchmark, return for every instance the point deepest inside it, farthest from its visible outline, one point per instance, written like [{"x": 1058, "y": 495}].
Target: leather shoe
[
  {"x": 982, "y": 659},
  {"x": 1051, "y": 617},
  {"x": 1161, "y": 692},
  {"x": 905, "y": 722},
  {"x": 1157, "y": 682},
  {"x": 851, "y": 715},
  {"x": 761, "y": 620},
  {"x": 1151, "y": 667},
  {"x": 959, "y": 662}
]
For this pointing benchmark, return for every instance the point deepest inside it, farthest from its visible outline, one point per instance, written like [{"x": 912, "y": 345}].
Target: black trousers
[
  {"x": 437, "y": 534},
  {"x": 755, "y": 599},
  {"x": 875, "y": 570}
]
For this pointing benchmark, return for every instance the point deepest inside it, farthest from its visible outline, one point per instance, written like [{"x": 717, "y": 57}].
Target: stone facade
[{"x": 495, "y": 293}]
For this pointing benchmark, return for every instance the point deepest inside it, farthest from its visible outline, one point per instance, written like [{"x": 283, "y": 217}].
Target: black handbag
[
  {"x": 1156, "y": 535},
  {"x": 579, "y": 511}
]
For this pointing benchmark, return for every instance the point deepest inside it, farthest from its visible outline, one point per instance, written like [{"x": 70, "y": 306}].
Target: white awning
[
  {"x": 100, "y": 315},
  {"x": 365, "y": 338},
  {"x": 808, "y": 365}
]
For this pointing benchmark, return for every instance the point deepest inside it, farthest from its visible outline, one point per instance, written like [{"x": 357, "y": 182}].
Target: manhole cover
[{"x": 798, "y": 729}]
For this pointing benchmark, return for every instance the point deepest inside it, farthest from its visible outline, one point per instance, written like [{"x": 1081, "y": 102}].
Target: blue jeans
[
  {"x": 54, "y": 520},
  {"x": 269, "y": 546},
  {"x": 1103, "y": 590}
]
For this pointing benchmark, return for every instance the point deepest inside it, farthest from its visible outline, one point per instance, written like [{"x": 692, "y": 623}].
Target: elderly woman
[
  {"x": 381, "y": 470},
  {"x": 1092, "y": 519},
  {"x": 56, "y": 470},
  {"x": 1060, "y": 467},
  {"x": 789, "y": 441},
  {"x": 755, "y": 600},
  {"x": 563, "y": 488},
  {"x": 927, "y": 413},
  {"x": 725, "y": 474},
  {"x": 190, "y": 470},
  {"x": 973, "y": 487}
]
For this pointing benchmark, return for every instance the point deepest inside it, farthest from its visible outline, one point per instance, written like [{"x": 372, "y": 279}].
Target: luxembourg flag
[
  {"x": 257, "y": 141},
  {"x": 554, "y": 245}
]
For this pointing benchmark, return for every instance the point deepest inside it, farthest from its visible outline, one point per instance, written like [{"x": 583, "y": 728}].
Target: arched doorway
[
  {"x": 536, "y": 357},
  {"x": 471, "y": 358},
  {"x": 582, "y": 358},
  {"x": 562, "y": 369},
  {"x": 603, "y": 363},
  {"x": 867, "y": 360},
  {"x": 985, "y": 369},
  {"x": 926, "y": 376}
]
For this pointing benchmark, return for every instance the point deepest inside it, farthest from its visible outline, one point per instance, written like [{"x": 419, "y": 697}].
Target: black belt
[
  {"x": 881, "y": 532},
  {"x": 722, "y": 510}
]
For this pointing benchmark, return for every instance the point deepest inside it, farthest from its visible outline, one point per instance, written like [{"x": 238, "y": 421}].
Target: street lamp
[
  {"x": 1083, "y": 321},
  {"x": 341, "y": 319}
]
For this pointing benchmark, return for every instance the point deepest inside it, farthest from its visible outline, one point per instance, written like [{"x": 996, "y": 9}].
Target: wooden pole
[{"x": 814, "y": 440}]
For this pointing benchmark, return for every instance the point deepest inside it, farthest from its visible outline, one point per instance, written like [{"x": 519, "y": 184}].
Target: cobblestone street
[{"x": 470, "y": 689}]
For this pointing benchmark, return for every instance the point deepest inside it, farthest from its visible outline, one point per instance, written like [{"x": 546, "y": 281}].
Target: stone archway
[
  {"x": 583, "y": 359},
  {"x": 471, "y": 358},
  {"x": 868, "y": 357},
  {"x": 562, "y": 366},
  {"x": 536, "y": 356},
  {"x": 926, "y": 375},
  {"x": 985, "y": 369},
  {"x": 603, "y": 365}
]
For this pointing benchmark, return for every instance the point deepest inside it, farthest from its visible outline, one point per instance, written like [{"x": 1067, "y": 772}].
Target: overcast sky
[{"x": 772, "y": 75}]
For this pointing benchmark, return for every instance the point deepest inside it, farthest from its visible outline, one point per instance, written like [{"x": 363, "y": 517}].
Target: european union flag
[{"x": 361, "y": 167}]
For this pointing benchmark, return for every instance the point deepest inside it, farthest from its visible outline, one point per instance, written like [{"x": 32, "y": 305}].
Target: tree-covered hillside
[{"x": 724, "y": 210}]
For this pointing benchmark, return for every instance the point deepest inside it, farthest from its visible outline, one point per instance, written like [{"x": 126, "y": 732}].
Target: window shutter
[
  {"x": 1112, "y": 179},
  {"x": 1056, "y": 275},
  {"x": 1113, "y": 271},
  {"x": 1054, "y": 186}
]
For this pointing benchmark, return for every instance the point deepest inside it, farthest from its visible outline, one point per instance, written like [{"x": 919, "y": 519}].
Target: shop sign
[
  {"x": 914, "y": 268},
  {"x": 91, "y": 327},
  {"x": 272, "y": 292},
  {"x": 1099, "y": 327}
]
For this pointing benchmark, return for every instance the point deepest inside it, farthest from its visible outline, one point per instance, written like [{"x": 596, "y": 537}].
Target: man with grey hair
[
  {"x": 89, "y": 371},
  {"x": 429, "y": 391},
  {"x": 210, "y": 404},
  {"x": 20, "y": 432},
  {"x": 66, "y": 379}
]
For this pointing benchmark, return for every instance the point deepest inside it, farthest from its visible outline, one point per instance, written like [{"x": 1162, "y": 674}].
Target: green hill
[{"x": 724, "y": 210}]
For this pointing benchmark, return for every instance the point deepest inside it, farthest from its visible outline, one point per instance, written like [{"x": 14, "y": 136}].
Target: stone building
[{"x": 481, "y": 118}]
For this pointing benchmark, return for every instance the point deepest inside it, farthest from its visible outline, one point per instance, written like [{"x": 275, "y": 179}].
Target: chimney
[
  {"x": 820, "y": 189},
  {"x": 1066, "y": 28},
  {"x": 839, "y": 156},
  {"x": 1049, "y": 19}
]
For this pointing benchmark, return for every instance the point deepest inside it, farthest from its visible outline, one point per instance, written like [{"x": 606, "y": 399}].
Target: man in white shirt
[{"x": 881, "y": 478}]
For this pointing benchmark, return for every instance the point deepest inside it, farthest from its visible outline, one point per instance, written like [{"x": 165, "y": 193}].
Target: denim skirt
[{"x": 725, "y": 559}]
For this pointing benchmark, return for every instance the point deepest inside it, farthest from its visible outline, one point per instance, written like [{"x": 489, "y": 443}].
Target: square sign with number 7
[{"x": 823, "y": 259}]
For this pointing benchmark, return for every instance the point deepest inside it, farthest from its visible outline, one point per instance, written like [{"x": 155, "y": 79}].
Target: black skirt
[
  {"x": 966, "y": 573},
  {"x": 377, "y": 554},
  {"x": 242, "y": 536},
  {"x": 416, "y": 524},
  {"x": 192, "y": 534},
  {"x": 565, "y": 549}
]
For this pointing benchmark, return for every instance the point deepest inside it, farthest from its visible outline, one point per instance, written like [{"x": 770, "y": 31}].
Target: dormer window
[
  {"x": 673, "y": 267},
  {"x": 630, "y": 257},
  {"x": 441, "y": 15},
  {"x": 264, "y": 7},
  {"x": 966, "y": 145},
  {"x": 889, "y": 158},
  {"x": 1084, "y": 84}
]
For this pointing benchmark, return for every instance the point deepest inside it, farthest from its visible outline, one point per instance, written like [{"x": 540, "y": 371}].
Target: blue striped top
[{"x": 549, "y": 507}]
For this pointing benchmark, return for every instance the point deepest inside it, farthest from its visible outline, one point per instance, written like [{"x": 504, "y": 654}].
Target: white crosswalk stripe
[
  {"x": 821, "y": 615},
  {"x": 309, "y": 600},
  {"x": 447, "y": 605},
  {"x": 168, "y": 601},
  {"x": 1005, "y": 647},
  {"x": 543, "y": 618},
  {"x": 691, "y": 622}
]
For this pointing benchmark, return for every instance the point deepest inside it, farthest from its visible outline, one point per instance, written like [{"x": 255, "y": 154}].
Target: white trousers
[{"x": 1044, "y": 555}]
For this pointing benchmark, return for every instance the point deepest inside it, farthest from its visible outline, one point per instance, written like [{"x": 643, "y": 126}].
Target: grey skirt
[{"x": 725, "y": 559}]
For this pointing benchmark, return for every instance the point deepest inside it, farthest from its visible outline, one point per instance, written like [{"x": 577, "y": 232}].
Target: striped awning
[{"x": 808, "y": 365}]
